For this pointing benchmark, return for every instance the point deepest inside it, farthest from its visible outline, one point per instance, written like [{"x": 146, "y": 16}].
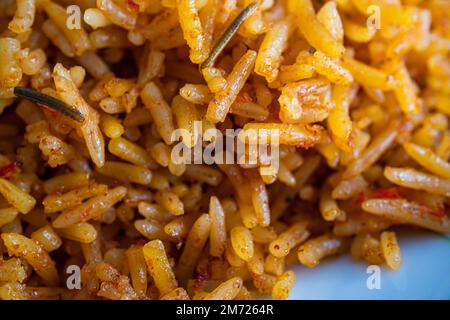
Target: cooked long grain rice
[
  {"x": 373, "y": 103},
  {"x": 404, "y": 211}
]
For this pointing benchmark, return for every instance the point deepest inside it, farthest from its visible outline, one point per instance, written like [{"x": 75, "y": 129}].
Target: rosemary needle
[
  {"x": 48, "y": 101},
  {"x": 228, "y": 34}
]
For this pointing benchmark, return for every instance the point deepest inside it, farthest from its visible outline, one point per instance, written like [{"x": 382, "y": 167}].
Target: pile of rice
[{"x": 361, "y": 94}]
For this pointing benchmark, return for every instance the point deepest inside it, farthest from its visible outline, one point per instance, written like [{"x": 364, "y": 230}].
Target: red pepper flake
[
  {"x": 438, "y": 212},
  {"x": 389, "y": 193},
  {"x": 6, "y": 169},
  {"x": 360, "y": 198},
  {"x": 85, "y": 214},
  {"x": 305, "y": 145},
  {"x": 132, "y": 6},
  {"x": 140, "y": 241},
  {"x": 51, "y": 111}
]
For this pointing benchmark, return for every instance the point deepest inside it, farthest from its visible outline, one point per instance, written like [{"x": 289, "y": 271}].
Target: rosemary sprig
[
  {"x": 228, "y": 34},
  {"x": 46, "y": 100}
]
